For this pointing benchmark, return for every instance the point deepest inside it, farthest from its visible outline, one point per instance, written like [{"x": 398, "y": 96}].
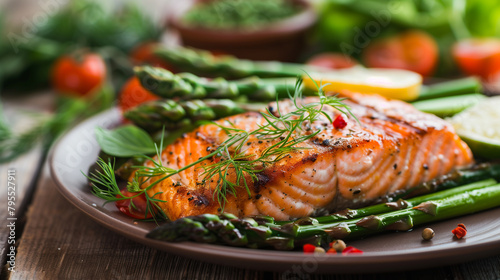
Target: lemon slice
[
  {"x": 479, "y": 127},
  {"x": 391, "y": 83}
]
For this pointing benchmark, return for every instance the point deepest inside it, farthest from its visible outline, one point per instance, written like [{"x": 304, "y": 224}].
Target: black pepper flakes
[
  {"x": 258, "y": 196},
  {"x": 191, "y": 198},
  {"x": 395, "y": 166},
  {"x": 426, "y": 167}
]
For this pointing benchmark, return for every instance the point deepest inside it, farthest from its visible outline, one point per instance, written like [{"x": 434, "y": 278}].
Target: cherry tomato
[
  {"x": 79, "y": 74},
  {"x": 332, "y": 61},
  {"x": 351, "y": 250},
  {"x": 139, "y": 202},
  {"x": 143, "y": 54},
  {"x": 133, "y": 94},
  {"x": 412, "y": 50},
  {"x": 478, "y": 57}
]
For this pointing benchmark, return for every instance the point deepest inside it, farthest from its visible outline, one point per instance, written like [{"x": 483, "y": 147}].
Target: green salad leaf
[{"x": 125, "y": 141}]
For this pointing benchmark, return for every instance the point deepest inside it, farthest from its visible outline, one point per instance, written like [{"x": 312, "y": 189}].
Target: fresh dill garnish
[
  {"x": 291, "y": 129},
  {"x": 283, "y": 130}
]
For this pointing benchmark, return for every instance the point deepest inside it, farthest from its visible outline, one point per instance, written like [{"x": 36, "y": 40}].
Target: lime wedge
[
  {"x": 479, "y": 127},
  {"x": 449, "y": 106}
]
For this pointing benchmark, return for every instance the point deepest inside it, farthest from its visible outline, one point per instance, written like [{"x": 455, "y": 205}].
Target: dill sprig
[
  {"x": 285, "y": 131},
  {"x": 291, "y": 129}
]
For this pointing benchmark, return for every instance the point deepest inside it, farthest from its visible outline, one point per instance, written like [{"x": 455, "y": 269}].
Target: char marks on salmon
[{"x": 393, "y": 147}]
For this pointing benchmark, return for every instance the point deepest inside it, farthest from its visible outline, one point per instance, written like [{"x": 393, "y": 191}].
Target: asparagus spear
[
  {"x": 476, "y": 176},
  {"x": 154, "y": 115},
  {"x": 225, "y": 229},
  {"x": 205, "y": 63},
  {"x": 400, "y": 203},
  {"x": 459, "y": 204},
  {"x": 188, "y": 86},
  {"x": 264, "y": 232},
  {"x": 450, "y": 88},
  {"x": 454, "y": 179}
]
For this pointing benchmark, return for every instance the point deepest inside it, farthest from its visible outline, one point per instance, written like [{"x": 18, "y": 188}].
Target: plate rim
[{"x": 372, "y": 262}]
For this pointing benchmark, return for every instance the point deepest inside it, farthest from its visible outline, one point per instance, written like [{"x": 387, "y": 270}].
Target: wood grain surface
[
  {"x": 27, "y": 167},
  {"x": 60, "y": 242}
]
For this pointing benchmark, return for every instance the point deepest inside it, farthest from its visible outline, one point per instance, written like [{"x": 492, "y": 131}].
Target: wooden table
[{"x": 56, "y": 241}]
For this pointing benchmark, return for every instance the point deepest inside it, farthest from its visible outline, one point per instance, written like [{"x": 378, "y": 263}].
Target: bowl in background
[{"x": 282, "y": 40}]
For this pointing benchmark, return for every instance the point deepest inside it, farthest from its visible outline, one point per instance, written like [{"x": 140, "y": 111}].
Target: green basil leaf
[{"x": 125, "y": 141}]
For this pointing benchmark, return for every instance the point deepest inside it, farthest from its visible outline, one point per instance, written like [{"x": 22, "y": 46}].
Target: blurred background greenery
[
  {"x": 78, "y": 48},
  {"x": 30, "y": 44}
]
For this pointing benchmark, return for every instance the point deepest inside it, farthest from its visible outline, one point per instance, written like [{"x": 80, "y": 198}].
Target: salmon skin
[{"x": 392, "y": 148}]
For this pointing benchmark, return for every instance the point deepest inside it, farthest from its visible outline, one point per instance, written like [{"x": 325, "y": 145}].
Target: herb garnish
[
  {"x": 125, "y": 141},
  {"x": 290, "y": 129},
  {"x": 227, "y": 14}
]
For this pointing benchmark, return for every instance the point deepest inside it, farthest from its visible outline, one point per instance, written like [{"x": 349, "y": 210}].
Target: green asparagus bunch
[
  {"x": 224, "y": 229},
  {"x": 187, "y": 86},
  {"x": 206, "y": 64},
  {"x": 170, "y": 114},
  {"x": 458, "y": 177},
  {"x": 262, "y": 232}
]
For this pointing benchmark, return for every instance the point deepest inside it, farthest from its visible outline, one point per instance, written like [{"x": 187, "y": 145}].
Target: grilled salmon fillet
[{"x": 393, "y": 147}]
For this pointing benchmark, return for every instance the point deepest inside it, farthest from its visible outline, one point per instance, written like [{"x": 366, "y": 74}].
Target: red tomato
[
  {"x": 133, "y": 94},
  {"x": 139, "y": 202},
  {"x": 412, "y": 50},
  {"x": 143, "y": 54},
  {"x": 78, "y": 75},
  {"x": 351, "y": 250},
  {"x": 339, "y": 122},
  {"x": 332, "y": 61},
  {"x": 478, "y": 57},
  {"x": 308, "y": 248}
]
